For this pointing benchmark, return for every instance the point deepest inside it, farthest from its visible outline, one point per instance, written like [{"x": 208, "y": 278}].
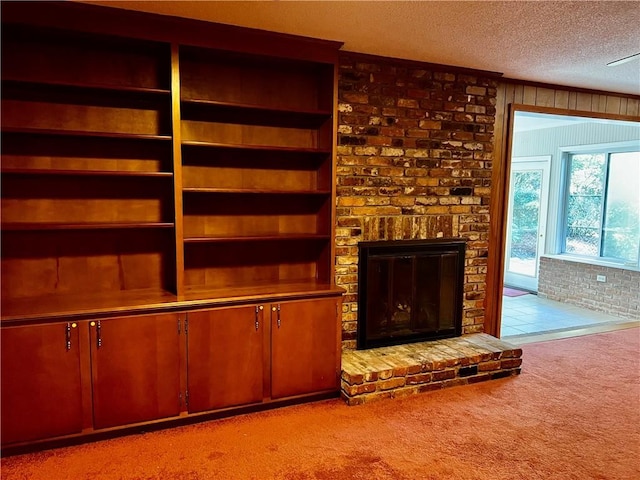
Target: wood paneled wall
[
  {"x": 596, "y": 102},
  {"x": 547, "y": 99}
]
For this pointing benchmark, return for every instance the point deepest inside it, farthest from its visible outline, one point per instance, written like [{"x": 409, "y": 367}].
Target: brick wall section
[
  {"x": 414, "y": 159},
  {"x": 575, "y": 283}
]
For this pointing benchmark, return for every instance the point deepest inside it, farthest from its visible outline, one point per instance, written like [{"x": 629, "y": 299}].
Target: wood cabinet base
[
  {"x": 178, "y": 421},
  {"x": 69, "y": 382}
]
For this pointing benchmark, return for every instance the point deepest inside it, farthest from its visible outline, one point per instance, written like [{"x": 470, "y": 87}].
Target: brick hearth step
[{"x": 401, "y": 370}]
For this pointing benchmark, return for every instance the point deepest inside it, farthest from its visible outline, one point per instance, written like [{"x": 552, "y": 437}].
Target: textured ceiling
[{"x": 558, "y": 42}]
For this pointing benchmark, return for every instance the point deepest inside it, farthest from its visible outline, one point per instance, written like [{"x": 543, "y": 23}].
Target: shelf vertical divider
[
  {"x": 331, "y": 277},
  {"x": 177, "y": 167}
]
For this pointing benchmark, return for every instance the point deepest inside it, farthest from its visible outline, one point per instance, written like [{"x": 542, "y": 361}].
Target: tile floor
[{"x": 529, "y": 314}]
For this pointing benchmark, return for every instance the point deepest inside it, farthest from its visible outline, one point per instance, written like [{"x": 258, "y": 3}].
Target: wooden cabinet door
[
  {"x": 135, "y": 364},
  {"x": 41, "y": 391},
  {"x": 225, "y": 357},
  {"x": 305, "y": 347}
]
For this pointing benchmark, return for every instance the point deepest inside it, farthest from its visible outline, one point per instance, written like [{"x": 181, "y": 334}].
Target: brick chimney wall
[{"x": 414, "y": 159}]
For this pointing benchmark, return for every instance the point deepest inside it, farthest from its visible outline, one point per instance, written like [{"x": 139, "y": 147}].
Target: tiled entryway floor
[{"x": 529, "y": 314}]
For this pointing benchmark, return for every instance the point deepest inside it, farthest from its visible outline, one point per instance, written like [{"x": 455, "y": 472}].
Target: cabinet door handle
[
  {"x": 258, "y": 308},
  {"x": 278, "y": 310},
  {"x": 67, "y": 333},
  {"x": 98, "y": 334},
  {"x": 68, "y": 336}
]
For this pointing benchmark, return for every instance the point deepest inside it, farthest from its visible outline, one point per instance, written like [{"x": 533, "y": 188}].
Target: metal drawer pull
[
  {"x": 68, "y": 333},
  {"x": 258, "y": 309},
  {"x": 68, "y": 336},
  {"x": 98, "y": 336}
]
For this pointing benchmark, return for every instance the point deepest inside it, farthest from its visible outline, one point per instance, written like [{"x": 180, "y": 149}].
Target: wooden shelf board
[
  {"x": 270, "y": 148},
  {"x": 78, "y": 306},
  {"x": 256, "y": 108},
  {"x": 69, "y": 307},
  {"x": 85, "y": 86},
  {"x": 256, "y": 238},
  {"x": 83, "y": 173},
  {"x": 258, "y": 292},
  {"x": 254, "y": 191},
  {"x": 82, "y": 133},
  {"x": 16, "y": 227}
]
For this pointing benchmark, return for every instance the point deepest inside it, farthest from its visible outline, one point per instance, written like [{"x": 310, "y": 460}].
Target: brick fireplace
[{"x": 414, "y": 160}]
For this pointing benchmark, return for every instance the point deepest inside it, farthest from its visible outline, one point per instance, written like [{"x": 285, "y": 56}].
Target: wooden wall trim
[
  {"x": 418, "y": 64},
  {"x": 552, "y": 86},
  {"x": 176, "y": 136},
  {"x": 574, "y": 113},
  {"x": 497, "y": 206}
]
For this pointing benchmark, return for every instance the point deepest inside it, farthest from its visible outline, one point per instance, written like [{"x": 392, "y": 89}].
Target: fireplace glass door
[{"x": 410, "y": 296}]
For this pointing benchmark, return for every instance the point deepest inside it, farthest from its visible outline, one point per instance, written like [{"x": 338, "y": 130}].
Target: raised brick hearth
[{"x": 402, "y": 370}]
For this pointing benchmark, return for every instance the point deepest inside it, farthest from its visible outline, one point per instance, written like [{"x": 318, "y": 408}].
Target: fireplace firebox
[{"x": 409, "y": 291}]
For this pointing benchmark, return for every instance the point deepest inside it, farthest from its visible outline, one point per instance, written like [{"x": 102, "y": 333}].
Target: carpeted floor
[{"x": 574, "y": 413}]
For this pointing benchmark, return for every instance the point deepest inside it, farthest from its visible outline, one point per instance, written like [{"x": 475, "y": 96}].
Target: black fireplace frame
[{"x": 426, "y": 247}]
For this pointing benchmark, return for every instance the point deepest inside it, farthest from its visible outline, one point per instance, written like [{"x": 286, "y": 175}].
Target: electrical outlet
[{"x": 601, "y": 278}]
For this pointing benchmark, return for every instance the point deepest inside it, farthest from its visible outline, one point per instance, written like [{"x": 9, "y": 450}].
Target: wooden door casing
[
  {"x": 304, "y": 347},
  {"x": 41, "y": 382},
  {"x": 225, "y": 357},
  {"x": 135, "y": 364}
]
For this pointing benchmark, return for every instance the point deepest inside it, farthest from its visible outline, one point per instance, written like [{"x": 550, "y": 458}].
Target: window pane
[
  {"x": 622, "y": 211},
  {"x": 527, "y": 190},
  {"x": 584, "y": 203}
]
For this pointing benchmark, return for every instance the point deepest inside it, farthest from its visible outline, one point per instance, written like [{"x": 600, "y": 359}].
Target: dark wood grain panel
[
  {"x": 41, "y": 384},
  {"x": 256, "y": 135},
  {"x": 213, "y": 75},
  {"x": 35, "y": 54},
  {"x": 56, "y": 152},
  {"x": 55, "y": 115},
  {"x": 251, "y": 178},
  {"x": 248, "y": 263},
  {"x": 229, "y": 168},
  {"x": 135, "y": 369},
  {"x": 85, "y": 262},
  {"x": 95, "y": 199},
  {"x": 303, "y": 347},
  {"x": 249, "y": 215},
  {"x": 225, "y": 351}
]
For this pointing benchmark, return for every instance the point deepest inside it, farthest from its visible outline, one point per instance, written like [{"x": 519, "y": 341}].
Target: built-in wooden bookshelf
[
  {"x": 152, "y": 168},
  {"x": 256, "y": 158},
  {"x": 86, "y": 164}
]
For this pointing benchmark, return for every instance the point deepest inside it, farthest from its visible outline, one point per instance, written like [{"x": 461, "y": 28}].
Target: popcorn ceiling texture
[{"x": 414, "y": 160}]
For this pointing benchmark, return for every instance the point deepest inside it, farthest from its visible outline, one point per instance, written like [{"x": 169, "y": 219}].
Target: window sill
[{"x": 592, "y": 261}]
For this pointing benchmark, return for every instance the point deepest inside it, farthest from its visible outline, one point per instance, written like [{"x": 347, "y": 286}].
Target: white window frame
[{"x": 561, "y": 218}]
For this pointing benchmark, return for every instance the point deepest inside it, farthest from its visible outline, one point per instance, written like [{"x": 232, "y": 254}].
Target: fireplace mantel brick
[{"x": 401, "y": 370}]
